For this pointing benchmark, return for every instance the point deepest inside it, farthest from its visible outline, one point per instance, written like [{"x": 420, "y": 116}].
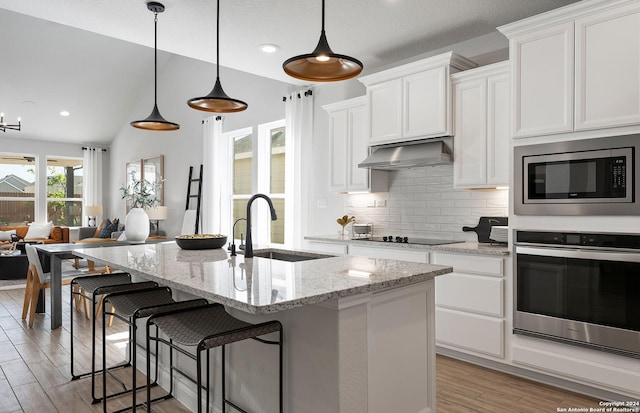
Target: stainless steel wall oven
[{"x": 580, "y": 288}]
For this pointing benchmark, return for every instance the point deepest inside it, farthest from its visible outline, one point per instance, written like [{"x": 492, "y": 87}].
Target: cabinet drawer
[
  {"x": 479, "y": 294},
  {"x": 471, "y": 263},
  {"x": 470, "y": 332},
  {"x": 327, "y": 247},
  {"x": 389, "y": 253}
]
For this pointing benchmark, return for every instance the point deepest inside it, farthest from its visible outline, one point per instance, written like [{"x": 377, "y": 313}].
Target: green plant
[{"x": 141, "y": 193}]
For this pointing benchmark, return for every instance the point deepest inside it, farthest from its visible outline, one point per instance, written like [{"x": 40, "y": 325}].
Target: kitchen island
[{"x": 359, "y": 332}]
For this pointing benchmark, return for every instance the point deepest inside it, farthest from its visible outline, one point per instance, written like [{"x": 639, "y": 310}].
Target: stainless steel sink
[{"x": 289, "y": 256}]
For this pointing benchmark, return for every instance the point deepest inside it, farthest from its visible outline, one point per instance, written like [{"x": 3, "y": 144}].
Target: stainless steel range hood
[{"x": 408, "y": 155}]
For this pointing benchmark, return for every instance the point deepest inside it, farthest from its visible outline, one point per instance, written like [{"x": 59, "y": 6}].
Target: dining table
[{"x": 57, "y": 253}]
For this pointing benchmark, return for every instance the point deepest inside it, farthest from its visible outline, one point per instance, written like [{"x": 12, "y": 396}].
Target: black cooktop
[{"x": 410, "y": 240}]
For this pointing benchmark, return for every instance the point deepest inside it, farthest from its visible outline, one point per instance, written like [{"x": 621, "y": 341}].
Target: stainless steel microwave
[{"x": 581, "y": 177}]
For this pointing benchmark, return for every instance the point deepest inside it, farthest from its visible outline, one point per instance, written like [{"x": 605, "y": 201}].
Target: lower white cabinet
[
  {"x": 327, "y": 247},
  {"x": 470, "y": 332},
  {"x": 389, "y": 253},
  {"x": 470, "y": 304}
]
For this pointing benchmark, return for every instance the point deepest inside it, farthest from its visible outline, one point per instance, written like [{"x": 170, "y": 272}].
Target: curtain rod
[
  {"x": 217, "y": 118},
  {"x": 84, "y": 148},
  {"x": 306, "y": 93}
]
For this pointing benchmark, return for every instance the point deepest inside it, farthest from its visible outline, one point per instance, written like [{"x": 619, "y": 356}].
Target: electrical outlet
[
  {"x": 381, "y": 203},
  {"x": 321, "y": 202},
  {"x": 371, "y": 203}
]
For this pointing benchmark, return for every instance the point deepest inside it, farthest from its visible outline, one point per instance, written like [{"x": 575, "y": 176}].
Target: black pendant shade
[
  {"x": 217, "y": 101},
  {"x": 155, "y": 121},
  {"x": 322, "y": 65}
]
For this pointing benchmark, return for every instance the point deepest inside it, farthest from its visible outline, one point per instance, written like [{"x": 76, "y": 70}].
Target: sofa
[
  {"x": 96, "y": 234},
  {"x": 58, "y": 235},
  {"x": 15, "y": 265}
]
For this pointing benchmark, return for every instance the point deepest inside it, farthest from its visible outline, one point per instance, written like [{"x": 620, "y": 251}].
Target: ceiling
[{"x": 59, "y": 52}]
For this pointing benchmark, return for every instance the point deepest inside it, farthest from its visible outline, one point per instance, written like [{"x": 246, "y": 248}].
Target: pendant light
[
  {"x": 322, "y": 65},
  {"x": 155, "y": 121},
  {"x": 217, "y": 101}
]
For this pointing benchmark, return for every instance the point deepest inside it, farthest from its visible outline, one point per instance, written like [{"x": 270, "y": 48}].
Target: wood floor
[{"x": 35, "y": 376}]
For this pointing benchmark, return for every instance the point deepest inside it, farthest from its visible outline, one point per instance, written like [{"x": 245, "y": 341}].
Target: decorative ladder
[{"x": 197, "y": 195}]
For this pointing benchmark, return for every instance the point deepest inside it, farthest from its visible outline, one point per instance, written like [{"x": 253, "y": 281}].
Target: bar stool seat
[
  {"x": 207, "y": 327},
  {"x": 92, "y": 287},
  {"x": 129, "y": 306}
]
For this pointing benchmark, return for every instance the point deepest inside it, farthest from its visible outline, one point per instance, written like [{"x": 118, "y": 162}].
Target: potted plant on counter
[
  {"x": 344, "y": 221},
  {"x": 140, "y": 194}
]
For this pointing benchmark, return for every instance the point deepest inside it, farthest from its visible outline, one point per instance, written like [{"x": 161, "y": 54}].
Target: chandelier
[{"x": 4, "y": 126}]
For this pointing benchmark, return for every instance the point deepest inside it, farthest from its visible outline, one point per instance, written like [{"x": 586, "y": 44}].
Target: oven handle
[{"x": 580, "y": 254}]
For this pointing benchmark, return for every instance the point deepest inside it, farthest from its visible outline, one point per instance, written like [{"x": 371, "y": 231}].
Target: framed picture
[
  {"x": 153, "y": 171},
  {"x": 148, "y": 169}
]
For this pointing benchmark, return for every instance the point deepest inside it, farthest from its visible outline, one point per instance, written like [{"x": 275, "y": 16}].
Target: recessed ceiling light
[
  {"x": 269, "y": 48},
  {"x": 65, "y": 113}
]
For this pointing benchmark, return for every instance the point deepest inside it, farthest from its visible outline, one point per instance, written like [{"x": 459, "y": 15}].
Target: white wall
[{"x": 180, "y": 79}]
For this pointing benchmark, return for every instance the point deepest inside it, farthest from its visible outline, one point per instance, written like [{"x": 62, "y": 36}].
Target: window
[
  {"x": 20, "y": 196},
  {"x": 17, "y": 189},
  {"x": 64, "y": 191},
  {"x": 259, "y": 167}
]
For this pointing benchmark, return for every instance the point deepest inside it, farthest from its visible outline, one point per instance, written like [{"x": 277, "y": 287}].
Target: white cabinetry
[
  {"x": 608, "y": 68},
  {"x": 482, "y": 134},
  {"x": 327, "y": 247},
  {"x": 348, "y": 145},
  {"x": 470, "y": 307},
  {"x": 412, "y": 101},
  {"x": 587, "y": 53},
  {"x": 389, "y": 253}
]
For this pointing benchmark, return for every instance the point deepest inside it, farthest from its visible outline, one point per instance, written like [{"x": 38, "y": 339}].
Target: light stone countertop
[
  {"x": 464, "y": 247},
  {"x": 261, "y": 285}
]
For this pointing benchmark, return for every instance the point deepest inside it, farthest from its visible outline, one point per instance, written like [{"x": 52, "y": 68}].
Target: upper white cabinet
[
  {"x": 412, "y": 101},
  {"x": 576, "y": 68},
  {"x": 482, "y": 134},
  {"x": 608, "y": 68},
  {"x": 348, "y": 145}
]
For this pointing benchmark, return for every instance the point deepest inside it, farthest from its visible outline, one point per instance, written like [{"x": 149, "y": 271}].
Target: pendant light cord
[
  {"x": 218, "y": 40},
  {"x": 322, "y": 16},
  {"x": 155, "y": 59}
]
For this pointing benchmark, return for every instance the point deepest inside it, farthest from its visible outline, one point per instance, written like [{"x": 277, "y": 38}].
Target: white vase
[{"x": 136, "y": 226}]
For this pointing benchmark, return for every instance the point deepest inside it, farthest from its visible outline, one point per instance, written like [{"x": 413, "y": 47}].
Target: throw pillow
[
  {"x": 114, "y": 226},
  {"x": 56, "y": 234},
  {"x": 6, "y": 235},
  {"x": 96, "y": 234},
  {"x": 109, "y": 227},
  {"x": 39, "y": 231},
  {"x": 104, "y": 232}
]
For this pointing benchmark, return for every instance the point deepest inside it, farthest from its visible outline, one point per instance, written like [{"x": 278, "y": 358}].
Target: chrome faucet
[{"x": 248, "y": 249}]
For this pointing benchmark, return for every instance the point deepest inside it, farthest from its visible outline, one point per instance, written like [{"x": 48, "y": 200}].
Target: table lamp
[
  {"x": 92, "y": 211},
  {"x": 157, "y": 213}
]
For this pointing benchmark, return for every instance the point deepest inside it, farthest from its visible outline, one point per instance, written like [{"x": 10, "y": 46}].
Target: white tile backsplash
[{"x": 422, "y": 202}]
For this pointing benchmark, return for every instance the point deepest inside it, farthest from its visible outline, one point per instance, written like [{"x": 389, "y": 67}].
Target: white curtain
[
  {"x": 216, "y": 207},
  {"x": 92, "y": 180},
  {"x": 299, "y": 127}
]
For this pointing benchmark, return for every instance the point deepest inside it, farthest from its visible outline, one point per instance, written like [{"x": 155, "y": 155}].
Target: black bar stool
[
  {"x": 129, "y": 306},
  {"x": 92, "y": 287},
  {"x": 207, "y": 327}
]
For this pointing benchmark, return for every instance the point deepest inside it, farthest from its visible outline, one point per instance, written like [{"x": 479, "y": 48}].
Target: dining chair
[{"x": 38, "y": 280}]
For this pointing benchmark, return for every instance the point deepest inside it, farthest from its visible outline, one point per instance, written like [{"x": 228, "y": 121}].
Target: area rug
[{"x": 11, "y": 284}]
